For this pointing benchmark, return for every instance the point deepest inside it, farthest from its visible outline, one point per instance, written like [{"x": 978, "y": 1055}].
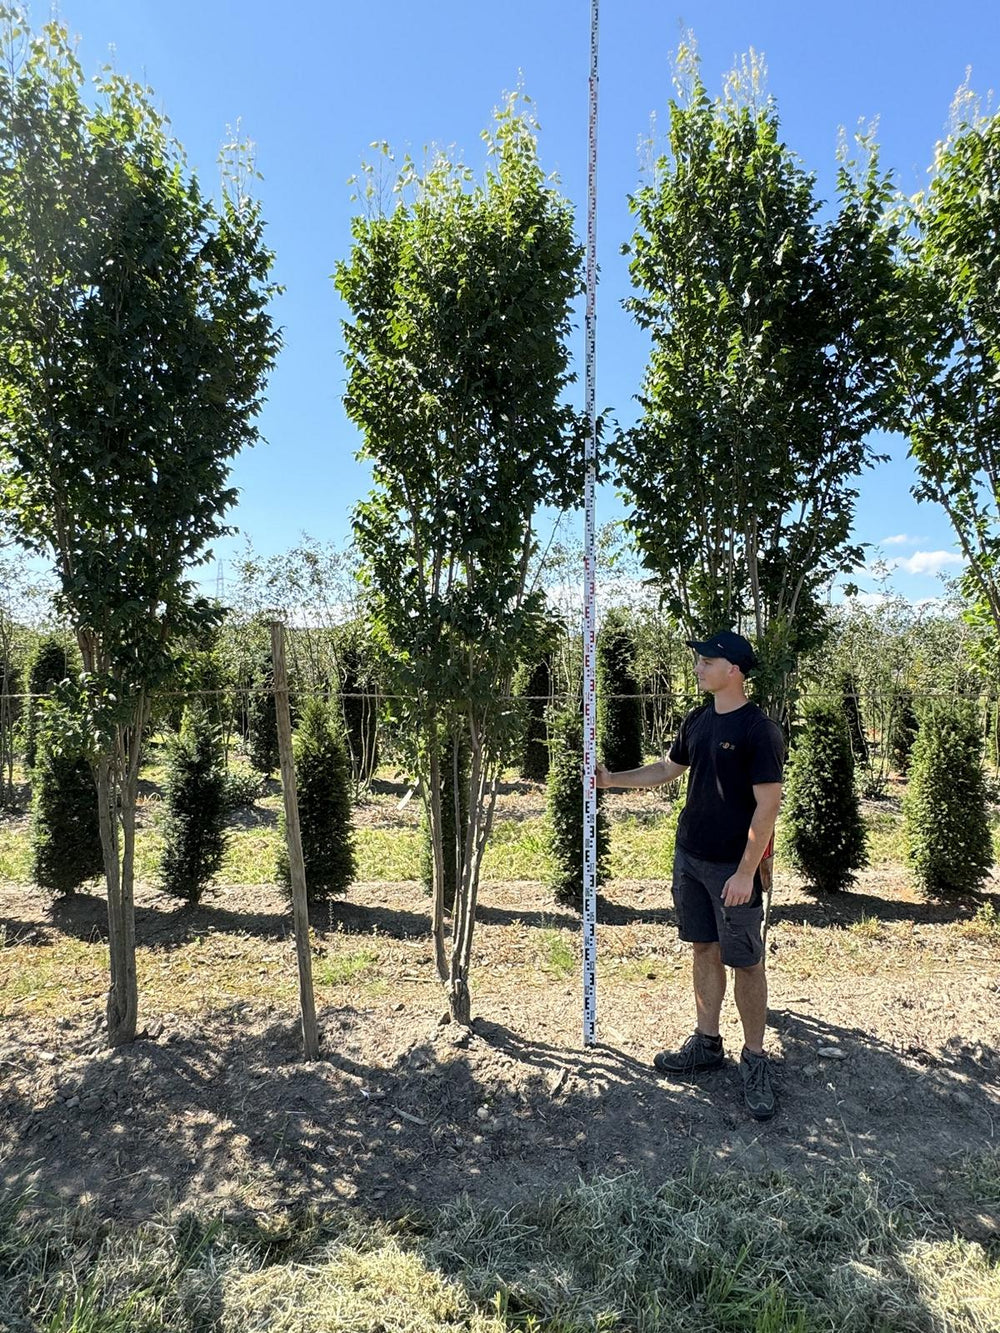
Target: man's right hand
[{"x": 603, "y": 776}]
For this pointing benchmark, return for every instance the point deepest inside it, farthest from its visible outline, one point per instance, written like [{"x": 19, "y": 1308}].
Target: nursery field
[{"x": 205, "y": 1177}]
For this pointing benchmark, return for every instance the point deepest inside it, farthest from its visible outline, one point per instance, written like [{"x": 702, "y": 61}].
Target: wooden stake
[{"x": 300, "y": 909}]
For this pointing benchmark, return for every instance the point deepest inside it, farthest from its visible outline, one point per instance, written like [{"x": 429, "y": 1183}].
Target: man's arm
[
  {"x": 650, "y": 775},
  {"x": 738, "y": 888}
]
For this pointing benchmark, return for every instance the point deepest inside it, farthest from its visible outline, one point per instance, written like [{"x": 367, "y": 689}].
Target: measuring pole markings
[{"x": 590, "y": 580}]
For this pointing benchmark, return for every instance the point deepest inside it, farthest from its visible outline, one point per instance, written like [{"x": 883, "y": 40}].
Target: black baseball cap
[{"x": 733, "y": 647}]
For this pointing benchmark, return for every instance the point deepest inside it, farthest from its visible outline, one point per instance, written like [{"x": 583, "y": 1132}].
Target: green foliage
[
  {"x": 262, "y": 718},
  {"x": 241, "y": 790},
  {"x": 47, "y": 666},
  {"x": 134, "y": 318},
  {"x": 565, "y": 809},
  {"x": 903, "y": 729},
  {"x": 945, "y": 806},
  {"x": 456, "y": 763},
  {"x": 820, "y": 812},
  {"x": 195, "y": 807},
  {"x": 771, "y": 364},
  {"x": 460, "y": 303},
  {"x": 619, "y": 718},
  {"x": 323, "y": 783},
  {"x": 533, "y": 686},
  {"x": 65, "y": 836},
  {"x": 952, "y": 346}
]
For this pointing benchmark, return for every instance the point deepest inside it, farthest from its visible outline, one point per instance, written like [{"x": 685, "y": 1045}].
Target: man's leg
[
  {"x": 755, "y": 1070},
  {"x": 709, "y": 987},
  {"x": 750, "y": 993}
]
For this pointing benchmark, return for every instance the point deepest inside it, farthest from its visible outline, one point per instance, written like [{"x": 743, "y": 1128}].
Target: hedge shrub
[
  {"x": 48, "y": 666},
  {"x": 65, "y": 830},
  {"x": 619, "y": 712},
  {"x": 821, "y": 813},
  {"x": 533, "y": 686},
  {"x": 945, "y": 807},
  {"x": 195, "y": 807},
  {"x": 323, "y": 783}
]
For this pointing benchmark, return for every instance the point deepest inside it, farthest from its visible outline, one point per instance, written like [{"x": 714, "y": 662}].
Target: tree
[
  {"x": 323, "y": 784},
  {"x": 564, "y": 798},
  {"x": 457, "y": 360},
  {"x": 945, "y": 810},
  {"x": 771, "y": 364},
  {"x": 359, "y": 705},
  {"x": 134, "y": 314},
  {"x": 950, "y": 357},
  {"x": 821, "y": 815},
  {"x": 619, "y": 710},
  {"x": 850, "y": 703}
]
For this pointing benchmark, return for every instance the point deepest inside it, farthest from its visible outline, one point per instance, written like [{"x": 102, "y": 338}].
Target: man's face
[{"x": 714, "y": 673}]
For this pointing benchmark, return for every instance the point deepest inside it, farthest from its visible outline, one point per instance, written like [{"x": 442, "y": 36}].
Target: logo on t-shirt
[{"x": 726, "y": 745}]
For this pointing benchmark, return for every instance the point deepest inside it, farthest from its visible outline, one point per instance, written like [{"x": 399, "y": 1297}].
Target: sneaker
[
  {"x": 698, "y": 1052},
  {"x": 755, "y": 1071}
]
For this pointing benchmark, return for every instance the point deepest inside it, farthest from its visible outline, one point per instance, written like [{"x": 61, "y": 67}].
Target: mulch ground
[{"x": 887, "y": 1053}]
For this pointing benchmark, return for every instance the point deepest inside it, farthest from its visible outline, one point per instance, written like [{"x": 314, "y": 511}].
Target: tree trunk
[
  {"x": 459, "y": 999},
  {"x": 437, "y": 852},
  {"x": 123, "y": 996}
]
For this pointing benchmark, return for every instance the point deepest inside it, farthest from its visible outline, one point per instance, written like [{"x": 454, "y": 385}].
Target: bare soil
[{"x": 884, "y": 1028}]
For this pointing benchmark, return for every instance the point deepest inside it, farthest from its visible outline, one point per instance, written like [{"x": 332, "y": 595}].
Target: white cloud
[
  {"x": 926, "y": 562},
  {"x": 900, "y": 539}
]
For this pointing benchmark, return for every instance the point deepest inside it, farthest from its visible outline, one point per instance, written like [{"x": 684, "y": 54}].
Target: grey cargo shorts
[{"x": 703, "y": 918}]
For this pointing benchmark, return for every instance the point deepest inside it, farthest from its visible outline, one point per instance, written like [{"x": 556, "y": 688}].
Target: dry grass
[{"x": 710, "y": 1252}]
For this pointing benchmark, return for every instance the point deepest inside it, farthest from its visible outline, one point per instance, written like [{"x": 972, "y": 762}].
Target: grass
[
  {"x": 342, "y": 969},
  {"x": 985, "y": 925},
  {"x": 556, "y": 953},
  {"x": 710, "y": 1251}
]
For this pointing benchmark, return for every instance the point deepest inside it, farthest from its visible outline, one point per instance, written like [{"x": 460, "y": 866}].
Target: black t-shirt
[{"x": 728, "y": 753}]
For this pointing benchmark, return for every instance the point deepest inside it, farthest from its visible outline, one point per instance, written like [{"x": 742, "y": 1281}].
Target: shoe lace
[{"x": 757, "y": 1074}]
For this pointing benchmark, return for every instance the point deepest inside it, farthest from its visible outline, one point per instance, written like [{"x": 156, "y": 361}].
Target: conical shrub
[
  {"x": 821, "y": 813},
  {"x": 47, "y": 667},
  {"x": 65, "y": 831},
  {"x": 945, "y": 807},
  {"x": 323, "y": 784},
  {"x": 619, "y": 711},
  {"x": 196, "y": 804},
  {"x": 565, "y": 809},
  {"x": 533, "y": 686},
  {"x": 903, "y": 730},
  {"x": 262, "y": 719}
]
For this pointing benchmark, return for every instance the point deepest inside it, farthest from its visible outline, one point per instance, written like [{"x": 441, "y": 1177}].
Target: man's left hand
[{"x": 737, "y": 889}]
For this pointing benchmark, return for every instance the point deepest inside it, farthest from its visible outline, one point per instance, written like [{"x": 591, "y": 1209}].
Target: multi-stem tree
[
  {"x": 950, "y": 359},
  {"x": 771, "y": 363},
  {"x": 460, "y": 300},
  {"x": 133, "y": 313}
]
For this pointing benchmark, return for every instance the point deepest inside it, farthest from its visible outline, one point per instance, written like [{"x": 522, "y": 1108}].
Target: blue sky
[{"x": 314, "y": 82}]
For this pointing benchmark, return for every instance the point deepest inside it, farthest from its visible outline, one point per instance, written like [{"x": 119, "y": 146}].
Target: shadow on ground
[{"x": 224, "y": 1113}]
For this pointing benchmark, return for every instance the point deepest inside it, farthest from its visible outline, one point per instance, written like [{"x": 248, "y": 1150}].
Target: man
[{"x": 735, "y": 754}]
